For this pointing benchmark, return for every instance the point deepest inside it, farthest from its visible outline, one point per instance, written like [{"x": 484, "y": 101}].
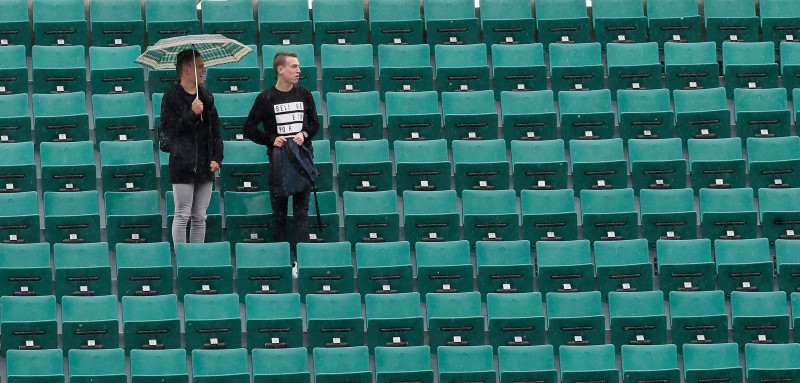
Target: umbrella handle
[{"x": 196, "y": 85}]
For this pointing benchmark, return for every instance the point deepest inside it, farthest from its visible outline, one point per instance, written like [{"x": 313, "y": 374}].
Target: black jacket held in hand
[
  {"x": 193, "y": 142},
  {"x": 278, "y": 110}
]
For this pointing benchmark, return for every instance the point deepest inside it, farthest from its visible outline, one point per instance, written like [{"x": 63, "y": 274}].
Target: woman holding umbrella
[{"x": 189, "y": 131}]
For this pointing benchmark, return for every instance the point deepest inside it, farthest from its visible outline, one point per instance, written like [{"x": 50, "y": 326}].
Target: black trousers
[{"x": 280, "y": 206}]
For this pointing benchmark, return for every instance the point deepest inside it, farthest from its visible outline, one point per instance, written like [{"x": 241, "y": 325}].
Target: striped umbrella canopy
[{"x": 215, "y": 50}]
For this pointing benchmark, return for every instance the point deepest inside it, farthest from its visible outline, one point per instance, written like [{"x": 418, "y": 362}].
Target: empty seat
[
  {"x": 239, "y": 76},
  {"x": 731, "y": 20},
  {"x": 403, "y": 364},
  {"x": 15, "y": 118},
  {"x": 281, "y": 365},
  {"x": 347, "y": 68},
  {"x": 324, "y": 164},
  {"x": 58, "y": 69},
  {"x": 575, "y": 66},
  {"x": 230, "y": 365},
  {"x": 728, "y": 213},
  {"x": 702, "y": 114},
  {"x": 16, "y": 24},
  {"x": 779, "y": 22},
  {"x": 413, "y": 116},
  {"x": 117, "y": 23},
  {"x": 790, "y": 66},
  {"x": 771, "y": 361},
  {"x": 515, "y": 319},
  {"x": 13, "y": 67},
  {"x": 659, "y": 362},
  {"x": 773, "y": 162},
  {"x": 761, "y": 113},
  {"x": 759, "y": 317},
  {"x": 749, "y": 65},
  {"x": 575, "y": 319},
  {"x": 325, "y": 226},
  {"x": 212, "y": 322},
  {"x": 150, "y": 323},
  {"x": 384, "y": 268},
  {"x": 232, "y": 19},
  {"x": 504, "y": 267},
  {"x": 233, "y": 109},
  {"x": 787, "y": 265},
  {"x": 667, "y": 214},
  {"x": 325, "y": 268},
  {"x": 562, "y": 21},
  {"x": 120, "y": 117},
  {"x": 457, "y": 364},
  {"x": 395, "y": 22},
  {"x": 455, "y": 319},
  {"x": 657, "y": 164},
  {"x": 248, "y": 217},
  {"x": 778, "y": 212},
  {"x": 58, "y": 22},
  {"x": 691, "y": 66},
  {"x": 507, "y": 22},
  {"x": 60, "y": 117},
  {"x": 273, "y": 321},
  {"x": 71, "y": 217},
  {"x": 25, "y": 269},
  {"x": 422, "y": 165},
  {"x": 608, "y": 215},
  {"x": 633, "y": 67},
  {"x": 743, "y": 265},
  {"x": 81, "y": 269},
  {"x": 263, "y": 268},
  {"x": 394, "y": 320},
  {"x": 340, "y": 22},
  {"x": 461, "y": 68},
  {"x": 170, "y": 18},
  {"x": 334, "y": 320},
  {"x": 539, "y": 165},
  {"x": 334, "y": 364},
  {"x": 35, "y": 366},
  {"x": 698, "y": 317},
  {"x": 355, "y": 116},
  {"x": 305, "y": 56},
  {"x": 516, "y": 363},
  {"x": 159, "y": 81},
  {"x": 282, "y": 22},
  {"x": 518, "y": 68},
  {"x": 685, "y": 265},
  {"x": 450, "y": 22},
  {"x": 794, "y": 300},
  {"x": 405, "y": 68},
  {"x": 490, "y": 215},
  {"x": 443, "y": 267},
  {"x": 480, "y": 165},
  {"x": 144, "y": 269},
  {"x": 246, "y": 167},
  {"x": 127, "y": 166},
  {"x": 89, "y": 323},
  {"x": 528, "y": 116},
  {"x": 623, "y": 266},
  {"x": 595, "y": 362},
  {"x": 711, "y": 361},
  {"x": 68, "y": 166},
  {"x": 716, "y": 164},
  {"x": 88, "y": 365},
  {"x": 213, "y": 217},
  {"x": 637, "y": 318},
  {"x": 371, "y": 217},
  {"x": 645, "y": 114},
  {"x": 564, "y": 267},
  {"x": 19, "y": 221},
  {"x": 469, "y": 116},
  {"x": 203, "y": 268},
  {"x": 619, "y": 21},
  {"x": 132, "y": 217},
  {"x": 29, "y": 323},
  {"x": 167, "y": 365},
  {"x": 677, "y": 21},
  {"x": 113, "y": 70},
  {"x": 586, "y": 115},
  {"x": 548, "y": 215},
  {"x": 17, "y": 167}
]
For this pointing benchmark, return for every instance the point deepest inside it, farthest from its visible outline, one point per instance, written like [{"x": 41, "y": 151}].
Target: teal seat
[
  {"x": 339, "y": 22},
  {"x": 334, "y": 321},
  {"x": 282, "y": 22},
  {"x": 772, "y": 162},
  {"x": 127, "y": 166},
  {"x": 246, "y": 167},
  {"x": 659, "y": 362},
  {"x": 539, "y": 165},
  {"x": 562, "y": 21},
  {"x": 347, "y": 68},
  {"x": 159, "y": 81},
  {"x": 548, "y": 215},
  {"x": 691, "y": 66},
  {"x": 35, "y": 366},
  {"x": 113, "y": 70},
  {"x": 716, "y": 164},
  {"x": 490, "y": 215},
  {"x": 667, "y": 214},
  {"x": 394, "y": 321},
  {"x": 26, "y": 269},
  {"x": 144, "y": 269},
  {"x": 165, "y": 365},
  {"x": 371, "y": 217},
  {"x": 411, "y": 363},
  {"x": 771, "y": 361},
  {"x": 450, "y": 22},
  {"x": 461, "y": 68},
  {"x": 657, "y": 164},
  {"x": 150, "y": 323},
  {"x": 749, "y": 65},
  {"x": 384, "y": 268},
  {"x": 761, "y": 113},
  {"x": 594, "y": 362},
  {"x": 794, "y": 302},
  {"x": 16, "y": 24},
  {"x": 518, "y": 363},
  {"x": 81, "y": 269},
  {"x": 395, "y": 22},
  {"x": 623, "y": 266},
  {"x": 19, "y": 221},
  {"x": 248, "y": 217},
  {"x": 241, "y": 76},
  {"x": 586, "y": 115},
  {"x": 518, "y": 67},
  {"x": 787, "y": 265},
  {"x": 575, "y": 319},
  {"x": 132, "y": 217},
  {"x": 619, "y": 21},
  {"x": 304, "y": 51},
  {"x": 564, "y": 267},
  {"x": 120, "y": 117},
  {"x": 455, "y": 319},
  {"x": 213, "y": 217},
  {"x": 97, "y": 365},
  {"x": 60, "y": 117},
  {"x": 443, "y": 267},
  {"x": 515, "y": 319},
  {"x": 71, "y": 217},
  {"x": 637, "y": 318},
  {"x": 17, "y": 167},
  {"x": 685, "y": 265},
  {"x": 89, "y": 323},
  {"x": 281, "y": 365},
  {"x": 233, "y": 109},
  {"x": 778, "y": 211},
  {"x": 230, "y": 365},
  {"x": 326, "y": 227},
  {"x": 59, "y": 23},
  {"x": 790, "y": 66},
  {"x": 325, "y": 268},
  {"x": 480, "y": 165},
  {"x": 232, "y": 19},
  {"x": 355, "y": 116},
  {"x": 404, "y": 68},
  {"x": 15, "y": 118},
  {"x": 203, "y": 268},
  {"x": 469, "y": 116},
  {"x": 609, "y": 215},
  {"x": 759, "y": 317},
  {"x": 13, "y": 66},
  {"x": 458, "y": 364},
  {"x": 422, "y": 165},
  {"x": 711, "y": 361},
  {"x": 528, "y": 116},
  {"x": 507, "y": 22},
  {"x": 212, "y": 322},
  {"x": 645, "y": 114},
  {"x": 731, "y": 20},
  {"x": 676, "y": 21},
  {"x": 778, "y": 21},
  {"x": 698, "y": 317},
  {"x": 504, "y": 267},
  {"x": 702, "y": 114},
  {"x": 598, "y": 165},
  {"x": 575, "y": 66},
  {"x": 633, "y": 67},
  {"x": 170, "y": 18},
  {"x": 413, "y": 116},
  {"x": 273, "y": 321},
  {"x": 58, "y": 69},
  {"x": 334, "y": 365},
  {"x": 263, "y": 268},
  {"x": 117, "y": 23},
  {"x": 28, "y": 323},
  {"x": 324, "y": 164},
  {"x": 743, "y": 265},
  {"x": 728, "y": 214}
]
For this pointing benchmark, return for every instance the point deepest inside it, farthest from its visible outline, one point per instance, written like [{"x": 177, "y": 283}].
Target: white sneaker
[{"x": 294, "y": 270}]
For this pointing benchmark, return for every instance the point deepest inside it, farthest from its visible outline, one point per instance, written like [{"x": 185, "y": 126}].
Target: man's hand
[
  {"x": 279, "y": 141},
  {"x": 214, "y": 166},
  {"x": 299, "y": 138},
  {"x": 197, "y": 106}
]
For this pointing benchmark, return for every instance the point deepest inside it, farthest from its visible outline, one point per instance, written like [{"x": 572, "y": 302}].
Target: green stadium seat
[
  {"x": 97, "y": 365},
  {"x": 334, "y": 321},
  {"x": 645, "y": 114},
  {"x": 521, "y": 363},
  {"x": 469, "y": 116},
  {"x": 528, "y": 116},
  {"x": 305, "y": 56},
  {"x": 431, "y": 216},
  {"x": 698, "y": 317},
  {"x": 71, "y": 217},
  {"x": 233, "y": 109},
  {"x": 132, "y": 217},
  {"x": 246, "y": 167},
  {"x": 711, "y": 361},
  {"x": 657, "y": 164},
  {"x": 404, "y": 68},
  {"x": 273, "y": 322},
  {"x": 326, "y": 228},
  {"x": 241, "y": 76},
  {"x": 575, "y": 66},
  {"x": 25, "y": 269},
  {"x": 539, "y": 165},
  {"x": 667, "y": 214},
  {"x": 490, "y": 215},
  {"x": 159, "y": 81},
  {"x": 120, "y": 117},
  {"x": 339, "y": 22},
  {"x": 113, "y": 70},
  {"x": 480, "y": 165},
  {"x": 691, "y": 65},
  {"x": 413, "y": 116},
  {"x": 771, "y": 362},
  {"x": 16, "y": 24},
  {"x": 347, "y": 69},
  {"x": 518, "y": 68},
  {"x": 761, "y": 113},
  {"x": 685, "y": 265},
  {"x": 363, "y": 166},
  {"x": 152, "y": 324},
  {"x": 575, "y": 319},
  {"x": 773, "y": 162},
  {"x": 89, "y": 323},
  {"x": 35, "y": 366},
  {"x": 384, "y": 268},
  {"x": 548, "y": 215},
  {"x": 144, "y": 269},
  {"x": 743, "y": 265},
  {"x": 17, "y": 167},
  {"x": 779, "y": 21},
  {"x": 422, "y": 165},
  {"x": 28, "y": 323},
  {"x": 81, "y": 269},
  {"x": 594, "y": 362},
  {"x": 564, "y": 266},
  {"x": 60, "y": 117},
  {"x": 232, "y": 19},
  {"x": 355, "y": 116},
  {"x": 395, "y": 22},
  {"x": 19, "y": 221},
  {"x": 13, "y": 67},
  {"x": 609, "y": 215},
  {"x": 731, "y": 20},
  {"x": 117, "y": 23},
  {"x": 728, "y": 214},
  {"x": 212, "y": 322},
  {"x": 619, "y": 21},
  {"x": 790, "y": 66},
  {"x": 515, "y": 319},
  {"x": 248, "y": 217},
  {"x": 759, "y": 317},
  {"x": 504, "y": 267},
  {"x": 168, "y": 366},
  {"x": 562, "y": 21},
  {"x": 716, "y": 164},
  {"x": 284, "y": 22},
  {"x": 57, "y": 22},
  {"x": 324, "y": 164},
  {"x": 203, "y": 268},
  {"x": 170, "y": 18},
  {"x": 458, "y": 364},
  {"x": 281, "y": 365},
  {"x": 371, "y": 217},
  {"x": 58, "y": 69},
  {"x": 633, "y": 67},
  {"x": 702, "y": 114},
  {"x": 263, "y": 268},
  {"x": 230, "y": 365},
  {"x": 637, "y": 318},
  {"x": 749, "y": 65},
  {"x": 450, "y": 22},
  {"x": 787, "y": 265},
  {"x": 676, "y": 21},
  {"x": 325, "y": 268},
  {"x": 586, "y": 115},
  {"x": 15, "y": 118},
  {"x": 213, "y": 217},
  {"x": 623, "y": 266},
  {"x": 394, "y": 321},
  {"x": 127, "y": 166},
  {"x": 455, "y": 319},
  {"x": 337, "y": 364},
  {"x": 659, "y": 362},
  {"x": 413, "y": 363},
  {"x": 507, "y": 22},
  {"x": 794, "y": 302},
  {"x": 461, "y": 68},
  {"x": 443, "y": 267}
]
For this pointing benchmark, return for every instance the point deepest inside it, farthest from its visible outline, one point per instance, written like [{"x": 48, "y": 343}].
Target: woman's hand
[{"x": 214, "y": 166}]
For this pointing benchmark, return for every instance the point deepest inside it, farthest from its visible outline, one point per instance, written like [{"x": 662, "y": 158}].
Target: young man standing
[{"x": 288, "y": 112}]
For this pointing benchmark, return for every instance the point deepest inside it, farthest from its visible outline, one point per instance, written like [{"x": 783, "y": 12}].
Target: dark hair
[
  {"x": 186, "y": 58},
  {"x": 280, "y": 59}
]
